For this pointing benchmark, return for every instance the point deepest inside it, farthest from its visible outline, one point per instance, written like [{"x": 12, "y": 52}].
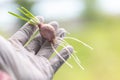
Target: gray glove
[{"x": 32, "y": 62}]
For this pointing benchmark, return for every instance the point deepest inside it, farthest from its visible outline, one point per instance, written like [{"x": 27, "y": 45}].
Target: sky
[
  {"x": 110, "y": 6},
  {"x": 62, "y": 9}
]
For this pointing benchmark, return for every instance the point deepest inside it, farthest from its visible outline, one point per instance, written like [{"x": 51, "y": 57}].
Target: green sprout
[{"x": 30, "y": 18}]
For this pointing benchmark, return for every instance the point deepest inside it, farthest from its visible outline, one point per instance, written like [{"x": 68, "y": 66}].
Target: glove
[{"x": 32, "y": 62}]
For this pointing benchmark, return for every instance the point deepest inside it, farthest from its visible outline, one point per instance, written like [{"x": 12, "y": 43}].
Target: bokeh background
[{"x": 95, "y": 22}]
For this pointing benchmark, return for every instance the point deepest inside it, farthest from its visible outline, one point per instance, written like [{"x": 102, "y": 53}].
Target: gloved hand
[{"x": 33, "y": 61}]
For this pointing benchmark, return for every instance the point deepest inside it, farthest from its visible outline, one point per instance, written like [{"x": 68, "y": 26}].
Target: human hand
[{"x": 33, "y": 61}]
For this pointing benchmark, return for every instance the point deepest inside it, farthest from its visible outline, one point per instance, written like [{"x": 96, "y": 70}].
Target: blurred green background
[{"x": 95, "y": 22}]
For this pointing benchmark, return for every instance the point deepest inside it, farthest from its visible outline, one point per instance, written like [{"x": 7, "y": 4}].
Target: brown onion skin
[{"x": 48, "y": 32}]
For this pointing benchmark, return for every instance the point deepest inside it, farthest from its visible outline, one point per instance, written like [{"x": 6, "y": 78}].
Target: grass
[{"x": 103, "y": 63}]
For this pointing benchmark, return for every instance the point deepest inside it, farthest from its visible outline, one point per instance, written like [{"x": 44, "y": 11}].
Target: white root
[
  {"x": 77, "y": 60},
  {"x": 66, "y": 49},
  {"x": 74, "y": 57},
  {"x": 79, "y": 42},
  {"x": 63, "y": 41},
  {"x": 61, "y": 57}
]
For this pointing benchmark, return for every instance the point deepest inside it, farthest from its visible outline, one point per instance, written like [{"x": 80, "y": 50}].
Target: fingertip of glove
[
  {"x": 61, "y": 32},
  {"x": 55, "y": 24},
  {"x": 41, "y": 18},
  {"x": 70, "y": 48}
]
